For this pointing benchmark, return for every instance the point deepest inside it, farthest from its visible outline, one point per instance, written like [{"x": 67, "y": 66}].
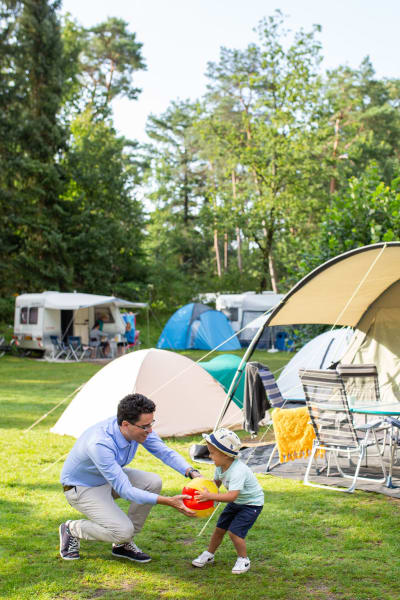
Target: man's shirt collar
[{"x": 119, "y": 438}]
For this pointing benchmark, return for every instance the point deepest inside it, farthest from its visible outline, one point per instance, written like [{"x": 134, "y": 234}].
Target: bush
[{"x": 7, "y": 310}]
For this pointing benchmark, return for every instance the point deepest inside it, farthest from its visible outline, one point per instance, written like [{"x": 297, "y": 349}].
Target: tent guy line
[{"x": 54, "y": 408}]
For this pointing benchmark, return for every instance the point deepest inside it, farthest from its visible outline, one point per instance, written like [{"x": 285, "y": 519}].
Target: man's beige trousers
[{"x": 106, "y": 522}]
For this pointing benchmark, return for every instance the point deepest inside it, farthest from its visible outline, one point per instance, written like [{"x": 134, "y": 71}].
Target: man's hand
[
  {"x": 193, "y": 473},
  {"x": 176, "y": 502}
]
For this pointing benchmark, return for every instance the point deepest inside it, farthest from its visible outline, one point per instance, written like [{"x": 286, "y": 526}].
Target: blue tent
[{"x": 197, "y": 326}]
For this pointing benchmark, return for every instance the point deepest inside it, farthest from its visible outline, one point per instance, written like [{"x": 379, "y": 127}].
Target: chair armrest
[
  {"x": 368, "y": 426},
  {"x": 392, "y": 421}
]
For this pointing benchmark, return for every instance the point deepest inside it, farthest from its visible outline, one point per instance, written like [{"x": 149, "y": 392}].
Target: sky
[{"x": 180, "y": 37}]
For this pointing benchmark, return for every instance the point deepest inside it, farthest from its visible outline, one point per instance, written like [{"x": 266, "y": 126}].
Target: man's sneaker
[
  {"x": 241, "y": 565},
  {"x": 69, "y": 545},
  {"x": 205, "y": 558},
  {"x": 131, "y": 552}
]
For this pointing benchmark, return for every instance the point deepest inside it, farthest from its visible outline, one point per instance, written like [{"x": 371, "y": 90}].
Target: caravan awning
[
  {"x": 74, "y": 301},
  {"x": 339, "y": 291}
]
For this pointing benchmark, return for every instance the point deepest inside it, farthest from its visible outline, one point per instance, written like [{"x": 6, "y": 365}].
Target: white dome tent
[
  {"x": 187, "y": 398},
  {"x": 318, "y": 353}
]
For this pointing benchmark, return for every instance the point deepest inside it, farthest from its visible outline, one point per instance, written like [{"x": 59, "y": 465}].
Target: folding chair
[
  {"x": 335, "y": 432},
  {"x": 362, "y": 389},
  {"x": 361, "y": 383},
  {"x": 59, "y": 349},
  {"x": 394, "y": 446},
  {"x": 77, "y": 351},
  {"x": 274, "y": 396},
  {"x": 96, "y": 347}
]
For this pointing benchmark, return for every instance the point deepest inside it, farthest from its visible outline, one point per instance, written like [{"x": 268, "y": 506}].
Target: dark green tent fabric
[{"x": 223, "y": 369}]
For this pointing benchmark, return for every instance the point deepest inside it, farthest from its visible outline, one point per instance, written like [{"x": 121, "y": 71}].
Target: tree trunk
[
  {"x": 239, "y": 245},
  {"x": 332, "y": 185},
  {"x": 239, "y": 250},
  {"x": 272, "y": 273},
  {"x": 217, "y": 258},
  {"x": 225, "y": 251}
]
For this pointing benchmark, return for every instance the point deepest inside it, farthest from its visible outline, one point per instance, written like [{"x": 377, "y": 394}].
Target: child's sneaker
[
  {"x": 205, "y": 558},
  {"x": 241, "y": 565}
]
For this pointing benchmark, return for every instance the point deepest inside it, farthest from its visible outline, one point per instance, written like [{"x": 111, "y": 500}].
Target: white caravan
[
  {"x": 243, "y": 308},
  {"x": 39, "y": 316}
]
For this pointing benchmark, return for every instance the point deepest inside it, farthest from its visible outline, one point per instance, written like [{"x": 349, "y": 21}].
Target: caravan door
[
  {"x": 81, "y": 324},
  {"x": 67, "y": 324}
]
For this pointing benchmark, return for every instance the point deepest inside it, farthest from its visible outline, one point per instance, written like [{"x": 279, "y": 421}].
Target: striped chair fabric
[
  {"x": 329, "y": 411},
  {"x": 361, "y": 383},
  {"x": 271, "y": 389},
  {"x": 334, "y": 427}
]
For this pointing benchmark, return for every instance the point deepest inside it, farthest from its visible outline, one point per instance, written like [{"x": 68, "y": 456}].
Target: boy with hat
[{"x": 245, "y": 498}]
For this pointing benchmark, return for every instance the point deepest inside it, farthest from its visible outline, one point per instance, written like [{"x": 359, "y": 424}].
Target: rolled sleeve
[{"x": 105, "y": 460}]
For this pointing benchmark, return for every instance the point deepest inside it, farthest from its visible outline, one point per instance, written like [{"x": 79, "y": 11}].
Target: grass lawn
[{"x": 307, "y": 544}]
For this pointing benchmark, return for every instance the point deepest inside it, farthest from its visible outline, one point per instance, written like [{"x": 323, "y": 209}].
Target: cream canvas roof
[{"x": 340, "y": 291}]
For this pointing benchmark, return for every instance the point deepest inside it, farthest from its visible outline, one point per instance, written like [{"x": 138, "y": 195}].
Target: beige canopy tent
[{"x": 361, "y": 289}]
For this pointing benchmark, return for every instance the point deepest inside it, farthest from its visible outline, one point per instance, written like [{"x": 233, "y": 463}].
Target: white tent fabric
[
  {"x": 187, "y": 398},
  {"x": 318, "y": 353},
  {"x": 74, "y": 301}
]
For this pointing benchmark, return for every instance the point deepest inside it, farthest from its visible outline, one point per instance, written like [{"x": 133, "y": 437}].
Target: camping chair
[
  {"x": 59, "y": 349},
  {"x": 96, "y": 349},
  {"x": 362, "y": 388},
  {"x": 394, "y": 446},
  {"x": 335, "y": 432},
  {"x": 267, "y": 380},
  {"x": 77, "y": 351}
]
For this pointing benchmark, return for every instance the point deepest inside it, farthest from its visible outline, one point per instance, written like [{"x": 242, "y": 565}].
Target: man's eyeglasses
[{"x": 144, "y": 427}]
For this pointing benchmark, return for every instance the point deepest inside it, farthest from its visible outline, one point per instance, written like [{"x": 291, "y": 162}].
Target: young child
[{"x": 245, "y": 498}]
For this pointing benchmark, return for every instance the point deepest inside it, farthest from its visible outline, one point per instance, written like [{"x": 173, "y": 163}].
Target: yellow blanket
[{"x": 294, "y": 433}]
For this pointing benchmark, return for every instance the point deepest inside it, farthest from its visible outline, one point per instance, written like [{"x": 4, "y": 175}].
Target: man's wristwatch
[{"x": 190, "y": 471}]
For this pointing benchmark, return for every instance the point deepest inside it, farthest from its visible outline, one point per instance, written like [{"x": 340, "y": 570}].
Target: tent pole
[{"x": 239, "y": 371}]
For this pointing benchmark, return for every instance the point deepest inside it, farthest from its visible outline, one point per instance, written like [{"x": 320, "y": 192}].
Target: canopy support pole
[{"x": 239, "y": 371}]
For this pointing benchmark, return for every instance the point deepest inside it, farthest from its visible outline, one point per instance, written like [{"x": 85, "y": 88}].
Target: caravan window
[
  {"x": 103, "y": 313},
  {"x": 231, "y": 313},
  {"x": 23, "y": 317},
  {"x": 33, "y": 316},
  {"x": 29, "y": 315}
]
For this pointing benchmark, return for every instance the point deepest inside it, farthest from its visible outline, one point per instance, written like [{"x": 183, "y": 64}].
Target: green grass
[{"x": 307, "y": 543}]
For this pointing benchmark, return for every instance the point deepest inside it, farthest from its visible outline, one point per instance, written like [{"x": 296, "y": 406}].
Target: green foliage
[
  {"x": 178, "y": 244},
  {"x": 69, "y": 217},
  {"x": 105, "y": 222},
  {"x": 264, "y": 177},
  {"x": 32, "y": 177},
  {"x": 367, "y": 212}
]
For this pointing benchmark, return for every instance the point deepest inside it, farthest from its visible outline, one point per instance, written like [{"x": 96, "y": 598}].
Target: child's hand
[{"x": 202, "y": 495}]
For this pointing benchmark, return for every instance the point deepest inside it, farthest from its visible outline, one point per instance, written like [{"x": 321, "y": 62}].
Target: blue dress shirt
[{"x": 100, "y": 453}]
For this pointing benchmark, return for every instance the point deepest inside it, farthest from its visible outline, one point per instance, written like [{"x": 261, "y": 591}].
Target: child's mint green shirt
[{"x": 240, "y": 477}]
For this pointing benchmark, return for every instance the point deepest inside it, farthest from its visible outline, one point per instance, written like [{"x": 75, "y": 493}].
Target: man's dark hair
[{"x": 132, "y": 406}]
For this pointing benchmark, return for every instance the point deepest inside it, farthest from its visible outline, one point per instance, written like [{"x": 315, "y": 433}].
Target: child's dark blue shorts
[{"x": 238, "y": 518}]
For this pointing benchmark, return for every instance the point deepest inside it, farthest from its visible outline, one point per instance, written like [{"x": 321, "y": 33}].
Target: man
[{"x": 93, "y": 476}]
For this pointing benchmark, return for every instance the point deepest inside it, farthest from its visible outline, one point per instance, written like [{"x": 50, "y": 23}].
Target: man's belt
[{"x": 66, "y": 488}]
